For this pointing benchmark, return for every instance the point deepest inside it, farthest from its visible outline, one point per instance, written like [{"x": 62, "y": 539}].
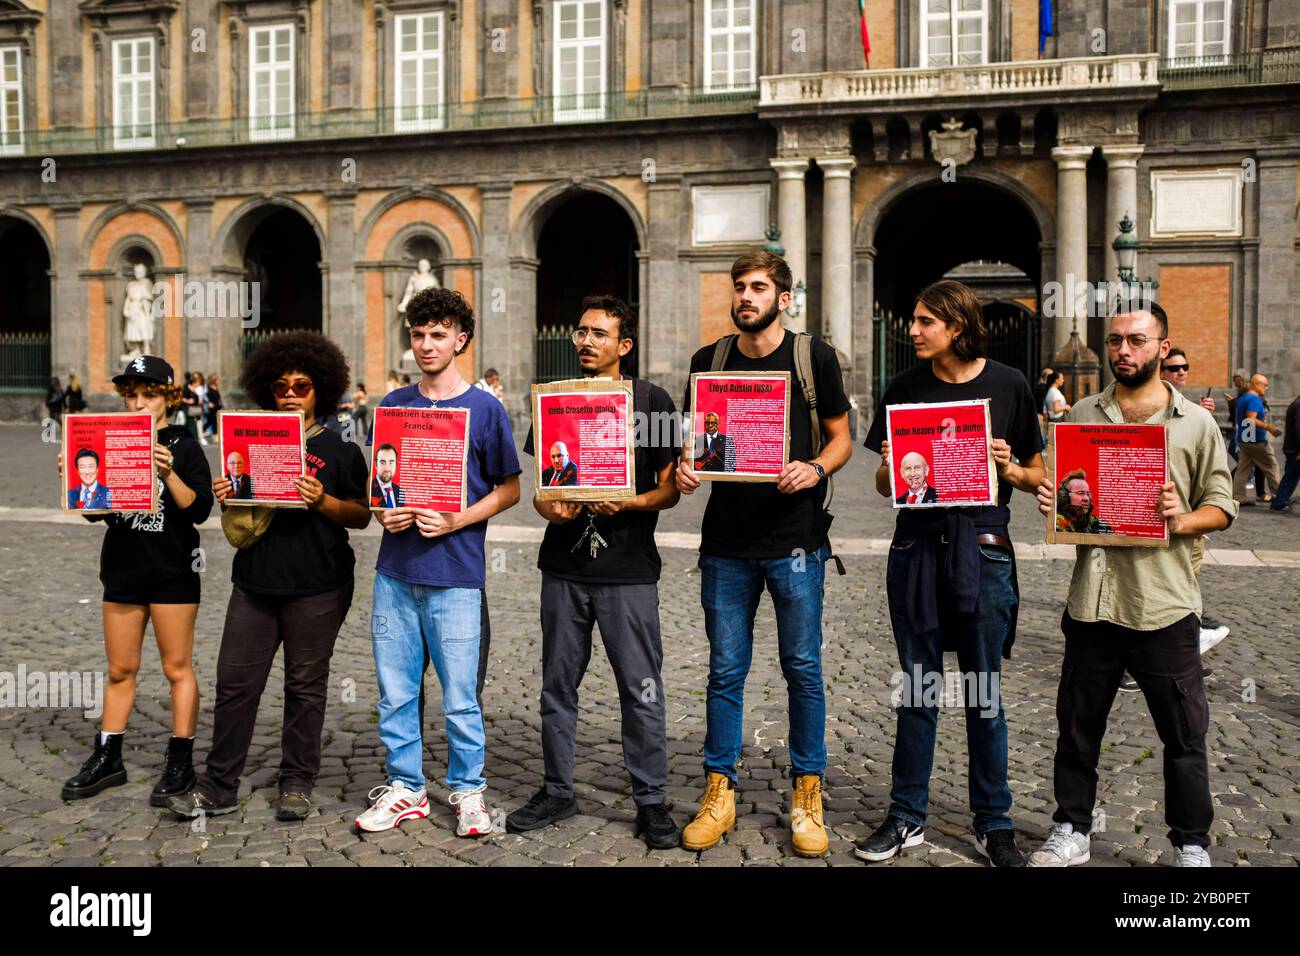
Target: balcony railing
[
  {"x": 485, "y": 114},
  {"x": 1018, "y": 78},
  {"x": 1261, "y": 68}
]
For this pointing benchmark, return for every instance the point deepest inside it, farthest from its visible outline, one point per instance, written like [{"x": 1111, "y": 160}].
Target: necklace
[{"x": 435, "y": 400}]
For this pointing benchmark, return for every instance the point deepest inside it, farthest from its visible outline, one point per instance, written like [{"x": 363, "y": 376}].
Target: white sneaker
[
  {"x": 1063, "y": 847},
  {"x": 1211, "y": 637},
  {"x": 391, "y": 805},
  {"x": 472, "y": 817},
  {"x": 1192, "y": 855}
]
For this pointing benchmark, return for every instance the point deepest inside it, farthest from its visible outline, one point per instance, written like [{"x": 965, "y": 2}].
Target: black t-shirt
[
  {"x": 753, "y": 519},
  {"x": 303, "y": 552},
  {"x": 631, "y": 557},
  {"x": 142, "y": 550},
  {"x": 1011, "y": 410}
]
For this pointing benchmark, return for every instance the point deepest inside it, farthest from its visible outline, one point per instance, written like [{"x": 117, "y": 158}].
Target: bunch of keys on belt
[{"x": 592, "y": 536}]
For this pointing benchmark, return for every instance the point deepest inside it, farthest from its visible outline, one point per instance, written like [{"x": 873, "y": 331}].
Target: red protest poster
[
  {"x": 108, "y": 463},
  {"x": 263, "y": 454},
  {"x": 739, "y": 428},
  {"x": 1107, "y": 479},
  {"x": 420, "y": 458},
  {"x": 582, "y": 435},
  {"x": 940, "y": 455}
]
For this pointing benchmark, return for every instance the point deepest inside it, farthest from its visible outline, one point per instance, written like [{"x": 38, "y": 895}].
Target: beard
[
  {"x": 1141, "y": 376},
  {"x": 1076, "y": 514},
  {"x": 758, "y": 324}
]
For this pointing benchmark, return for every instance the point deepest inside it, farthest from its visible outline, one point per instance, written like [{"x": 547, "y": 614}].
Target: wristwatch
[{"x": 821, "y": 472}]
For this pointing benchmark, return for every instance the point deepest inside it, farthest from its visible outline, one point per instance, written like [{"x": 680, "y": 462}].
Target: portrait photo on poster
[
  {"x": 108, "y": 463},
  {"x": 1107, "y": 479},
  {"x": 262, "y": 454},
  {"x": 420, "y": 458},
  {"x": 738, "y": 427},
  {"x": 584, "y": 432},
  {"x": 941, "y": 455}
]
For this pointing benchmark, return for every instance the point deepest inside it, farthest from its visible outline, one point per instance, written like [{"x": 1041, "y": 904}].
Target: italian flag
[{"x": 866, "y": 37}]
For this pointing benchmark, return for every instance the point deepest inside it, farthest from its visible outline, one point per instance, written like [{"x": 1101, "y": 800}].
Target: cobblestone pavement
[{"x": 49, "y": 608}]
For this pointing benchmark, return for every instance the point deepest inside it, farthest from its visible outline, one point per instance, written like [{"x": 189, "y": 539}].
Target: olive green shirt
[{"x": 1150, "y": 588}]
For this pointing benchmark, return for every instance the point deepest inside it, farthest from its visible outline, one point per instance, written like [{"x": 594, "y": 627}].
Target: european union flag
[{"x": 1044, "y": 23}]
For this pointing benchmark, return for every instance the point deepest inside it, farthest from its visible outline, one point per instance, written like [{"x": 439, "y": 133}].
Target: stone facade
[{"x": 1070, "y": 151}]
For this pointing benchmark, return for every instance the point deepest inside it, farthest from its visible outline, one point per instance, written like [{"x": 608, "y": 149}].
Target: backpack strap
[
  {"x": 807, "y": 383},
  {"x": 641, "y": 404},
  {"x": 721, "y": 351}
]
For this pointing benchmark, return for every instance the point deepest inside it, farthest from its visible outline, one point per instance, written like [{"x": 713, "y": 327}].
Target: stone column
[
  {"x": 205, "y": 330},
  {"x": 1270, "y": 346},
  {"x": 663, "y": 321},
  {"x": 792, "y": 215},
  {"x": 837, "y": 254},
  {"x": 498, "y": 334},
  {"x": 1071, "y": 239},
  {"x": 69, "y": 328},
  {"x": 1121, "y": 197},
  {"x": 340, "y": 321}
]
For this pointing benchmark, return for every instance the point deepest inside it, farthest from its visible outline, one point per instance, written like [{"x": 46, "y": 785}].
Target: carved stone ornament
[{"x": 954, "y": 143}]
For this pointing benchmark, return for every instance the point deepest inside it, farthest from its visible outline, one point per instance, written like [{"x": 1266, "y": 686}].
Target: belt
[{"x": 996, "y": 541}]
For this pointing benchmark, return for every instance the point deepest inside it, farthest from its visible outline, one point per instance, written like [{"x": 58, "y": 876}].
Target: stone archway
[{"x": 26, "y": 328}]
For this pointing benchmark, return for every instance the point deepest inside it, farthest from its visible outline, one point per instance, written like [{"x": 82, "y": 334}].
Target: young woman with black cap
[{"x": 148, "y": 569}]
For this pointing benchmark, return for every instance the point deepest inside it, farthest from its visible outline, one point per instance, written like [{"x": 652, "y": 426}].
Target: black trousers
[
  {"x": 256, "y": 626},
  {"x": 628, "y": 617},
  {"x": 1167, "y": 666}
]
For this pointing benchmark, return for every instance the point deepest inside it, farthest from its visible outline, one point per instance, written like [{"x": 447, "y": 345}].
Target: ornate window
[
  {"x": 954, "y": 32},
  {"x": 579, "y": 42},
  {"x": 271, "y": 95},
  {"x": 729, "y": 45},
  {"x": 1200, "y": 28},
  {"x": 419, "y": 79},
  {"x": 11, "y": 99},
  {"x": 134, "y": 99}
]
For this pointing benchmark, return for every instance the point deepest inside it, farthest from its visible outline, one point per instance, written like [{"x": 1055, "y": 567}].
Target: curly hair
[
  {"x": 1063, "y": 493},
  {"x": 308, "y": 352},
  {"x": 442, "y": 307},
  {"x": 173, "y": 392}
]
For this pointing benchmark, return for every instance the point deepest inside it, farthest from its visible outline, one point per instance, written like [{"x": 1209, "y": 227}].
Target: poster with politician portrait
[
  {"x": 583, "y": 431},
  {"x": 263, "y": 454},
  {"x": 420, "y": 459},
  {"x": 940, "y": 455},
  {"x": 738, "y": 428},
  {"x": 1108, "y": 479},
  {"x": 108, "y": 463}
]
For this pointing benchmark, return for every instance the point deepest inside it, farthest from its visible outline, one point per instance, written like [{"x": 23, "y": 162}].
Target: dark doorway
[
  {"x": 283, "y": 255},
  {"x": 588, "y": 246},
  {"x": 24, "y": 275}
]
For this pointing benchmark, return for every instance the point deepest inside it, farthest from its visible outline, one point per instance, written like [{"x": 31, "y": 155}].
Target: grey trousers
[{"x": 628, "y": 617}]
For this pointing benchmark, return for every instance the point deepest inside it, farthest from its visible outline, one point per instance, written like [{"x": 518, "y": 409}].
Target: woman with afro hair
[{"x": 292, "y": 582}]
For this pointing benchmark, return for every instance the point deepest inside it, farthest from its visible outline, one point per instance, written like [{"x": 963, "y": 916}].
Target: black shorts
[{"x": 181, "y": 590}]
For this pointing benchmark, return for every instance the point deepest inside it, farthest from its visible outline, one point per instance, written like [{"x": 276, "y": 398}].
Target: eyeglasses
[
  {"x": 1135, "y": 342},
  {"x": 299, "y": 389},
  {"x": 1176, "y": 368},
  {"x": 596, "y": 336}
]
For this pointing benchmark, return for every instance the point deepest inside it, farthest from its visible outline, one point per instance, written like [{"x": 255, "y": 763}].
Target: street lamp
[{"x": 1126, "y": 250}]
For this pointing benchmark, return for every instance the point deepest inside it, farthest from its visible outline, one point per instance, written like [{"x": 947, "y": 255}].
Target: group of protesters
[{"x": 951, "y": 580}]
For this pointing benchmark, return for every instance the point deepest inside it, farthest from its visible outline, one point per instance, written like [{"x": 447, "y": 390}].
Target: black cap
[{"x": 149, "y": 368}]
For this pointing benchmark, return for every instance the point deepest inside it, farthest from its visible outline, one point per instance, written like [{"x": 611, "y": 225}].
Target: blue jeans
[
  {"x": 979, "y": 638},
  {"x": 1290, "y": 476},
  {"x": 408, "y": 619},
  {"x": 729, "y": 590}
]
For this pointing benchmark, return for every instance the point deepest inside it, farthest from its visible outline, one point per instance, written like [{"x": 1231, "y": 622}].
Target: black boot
[
  {"x": 178, "y": 773},
  {"x": 102, "y": 770}
]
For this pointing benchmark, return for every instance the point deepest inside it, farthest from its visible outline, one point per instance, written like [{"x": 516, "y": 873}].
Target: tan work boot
[
  {"x": 717, "y": 815},
  {"x": 808, "y": 827}
]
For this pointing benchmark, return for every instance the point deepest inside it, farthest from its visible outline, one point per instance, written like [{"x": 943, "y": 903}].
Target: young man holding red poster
[
  {"x": 951, "y": 578},
  {"x": 147, "y": 567},
  {"x": 773, "y": 535},
  {"x": 1138, "y": 609},
  {"x": 613, "y": 584},
  {"x": 429, "y": 583}
]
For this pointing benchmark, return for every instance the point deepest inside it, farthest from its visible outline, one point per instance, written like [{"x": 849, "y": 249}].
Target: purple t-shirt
[{"x": 454, "y": 560}]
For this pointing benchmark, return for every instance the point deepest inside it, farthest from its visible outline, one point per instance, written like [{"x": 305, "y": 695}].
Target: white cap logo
[{"x": 138, "y": 364}]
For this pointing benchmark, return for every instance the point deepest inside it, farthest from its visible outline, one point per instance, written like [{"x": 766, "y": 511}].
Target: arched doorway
[
  {"x": 967, "y": 230},
  {"x": 588, "y": 245},
  {"x": 25, "y": 320},
  {"x": 284, "y": 255}
]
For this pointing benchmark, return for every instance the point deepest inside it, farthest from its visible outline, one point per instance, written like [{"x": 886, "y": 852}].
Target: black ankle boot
[
  {"x": 102, "y": 770},
  {"x": 178, "y": 773}
]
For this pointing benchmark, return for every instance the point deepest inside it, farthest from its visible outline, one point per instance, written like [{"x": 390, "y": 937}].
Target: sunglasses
[
  {"x": 1176, "y": 368},
  {"x": 299, "y": 389}
]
